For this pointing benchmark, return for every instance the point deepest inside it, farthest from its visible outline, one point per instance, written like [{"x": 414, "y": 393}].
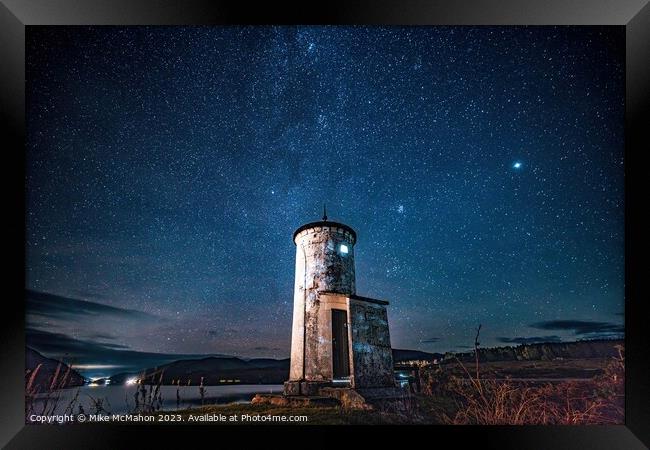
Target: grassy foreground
[
  {"x": 558, "y": 392},
  {"x": 426, "y": 410}
]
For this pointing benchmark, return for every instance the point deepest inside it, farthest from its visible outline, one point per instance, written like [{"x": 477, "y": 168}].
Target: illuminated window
[{"x": 344, "y": 249}]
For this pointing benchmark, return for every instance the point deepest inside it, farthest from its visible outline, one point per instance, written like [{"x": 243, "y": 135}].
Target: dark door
[{"x": 340, "y": 356}]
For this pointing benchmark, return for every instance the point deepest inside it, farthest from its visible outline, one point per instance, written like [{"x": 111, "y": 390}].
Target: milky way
[{"x": 482, "y": 169}]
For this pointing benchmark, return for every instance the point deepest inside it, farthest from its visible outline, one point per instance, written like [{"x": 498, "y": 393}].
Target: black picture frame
[{"x": 16, "y": 15}]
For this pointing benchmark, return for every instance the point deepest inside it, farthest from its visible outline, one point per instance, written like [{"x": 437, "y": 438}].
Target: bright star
[{"x": 517, "y": 165}]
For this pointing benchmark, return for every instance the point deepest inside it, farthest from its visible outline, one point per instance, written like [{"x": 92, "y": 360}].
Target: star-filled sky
[{"x": 168, "y": 167}]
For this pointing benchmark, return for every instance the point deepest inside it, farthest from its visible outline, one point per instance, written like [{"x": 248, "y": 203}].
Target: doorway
[{"x": 340, "y": 354}]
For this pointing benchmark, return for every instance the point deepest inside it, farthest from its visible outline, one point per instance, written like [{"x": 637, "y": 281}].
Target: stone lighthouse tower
[{"x": 339, "y": 339}]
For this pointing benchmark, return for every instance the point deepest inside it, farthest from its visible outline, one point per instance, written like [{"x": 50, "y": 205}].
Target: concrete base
[
  {"x": 299, "y": 393},
  {"x": 309, "y": 388},
  {"x": 385, "y": 393},
  {"x": 292, "y": 388},
  {"x": 295, "y": 401}
]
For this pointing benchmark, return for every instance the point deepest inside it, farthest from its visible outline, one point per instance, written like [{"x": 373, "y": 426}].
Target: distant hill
[
  {"x": 214, "y": 370},
  {"x": 46, "y": 372},
  {"x": 120, "y": 378},
  {"x": 233, "y": 369},
  {"x": 543, "y": 351},
  {"x": 400, "y": 355},
  {"x": 220, "y": 370}
]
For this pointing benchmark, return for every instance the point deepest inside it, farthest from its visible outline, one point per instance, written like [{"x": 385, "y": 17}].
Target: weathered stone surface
[
  {"x": 291, "y": 388},
  {"x": 389, "y": 398},
  {"x": 311, "y": 388},
  {"x": 282, "y": 400},
  {"x": 371, "y": 350},
  {"x": 349, "y": 398}
]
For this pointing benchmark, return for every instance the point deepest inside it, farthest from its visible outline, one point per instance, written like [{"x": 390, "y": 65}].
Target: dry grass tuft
[{"x": 504, "y": 402}]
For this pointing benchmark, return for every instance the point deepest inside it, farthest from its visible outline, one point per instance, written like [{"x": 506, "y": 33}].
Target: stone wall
[
  {"x": 319, "y": 346},
  {"x": 325, "y": 268},
  {"x": 372, "y": 356}
]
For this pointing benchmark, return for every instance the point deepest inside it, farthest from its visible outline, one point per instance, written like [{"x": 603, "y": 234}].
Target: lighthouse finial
[{"x": 324, "y": 212}]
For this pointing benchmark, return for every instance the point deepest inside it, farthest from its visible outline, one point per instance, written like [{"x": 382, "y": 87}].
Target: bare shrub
[
  {"x": 99, "y": 405},
  {"x": 202, "y": 392},
  {"x": 178, "y": 394},
  {"x": 148, "y": 397}
]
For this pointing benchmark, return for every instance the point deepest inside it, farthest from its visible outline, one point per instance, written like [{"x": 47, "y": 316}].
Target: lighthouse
[{"x": 339, "y": 339}]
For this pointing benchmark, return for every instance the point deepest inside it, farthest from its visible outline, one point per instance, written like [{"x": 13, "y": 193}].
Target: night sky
[{"x": 167, "y": 169}]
